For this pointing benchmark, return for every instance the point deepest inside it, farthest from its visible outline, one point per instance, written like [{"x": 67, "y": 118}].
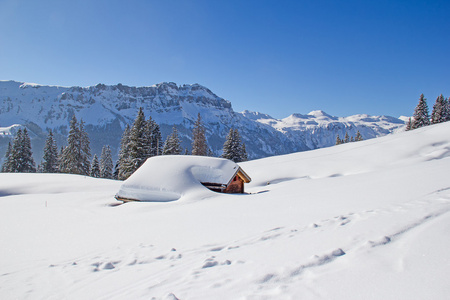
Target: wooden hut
[{"x": 235, "y": 184}]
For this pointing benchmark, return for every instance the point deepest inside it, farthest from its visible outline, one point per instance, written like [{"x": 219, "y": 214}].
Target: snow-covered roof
[{"x": 168, "y": 177}]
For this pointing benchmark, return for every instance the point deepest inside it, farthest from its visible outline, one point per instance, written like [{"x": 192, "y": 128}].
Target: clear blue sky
[{"x": 276, "y": 57}]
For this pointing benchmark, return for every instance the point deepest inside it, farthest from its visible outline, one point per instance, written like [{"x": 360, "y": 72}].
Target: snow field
[{"x": 366, "y": 220}]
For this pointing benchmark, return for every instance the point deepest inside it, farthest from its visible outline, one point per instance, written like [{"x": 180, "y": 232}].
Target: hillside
[
  {"x": 365, "y": 220},
  {"x": 107, "y": 109}
]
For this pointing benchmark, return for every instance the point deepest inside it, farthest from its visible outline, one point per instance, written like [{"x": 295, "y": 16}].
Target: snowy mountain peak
[
  {"x": 319, "y": 114},
  {"x": 253, "y": 115},
  {"x": 106, "y": 109}
]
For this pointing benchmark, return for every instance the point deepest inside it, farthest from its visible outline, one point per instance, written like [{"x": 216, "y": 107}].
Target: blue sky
[{"x": 275, "y": 57}]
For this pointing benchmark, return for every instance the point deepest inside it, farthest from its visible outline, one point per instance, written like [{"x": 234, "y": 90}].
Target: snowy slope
[
  {"x": 365, "y": 220},
  {"x": 106, "y": 110}
]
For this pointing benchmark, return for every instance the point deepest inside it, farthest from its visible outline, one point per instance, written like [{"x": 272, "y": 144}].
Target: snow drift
[{"x": 167, "y": 178}]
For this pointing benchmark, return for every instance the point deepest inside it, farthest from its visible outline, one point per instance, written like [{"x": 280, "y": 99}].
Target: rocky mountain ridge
[{"x": 106, "y": 109}]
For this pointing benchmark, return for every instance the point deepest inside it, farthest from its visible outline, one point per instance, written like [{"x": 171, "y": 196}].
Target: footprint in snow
[
  {"x": 216, "y": 249},
  {"x": 211, "y": 262},
  {"x": 108, "y": 266},
  {"x": 319, "y": 260},
  {"x": 379, "y": 242}
]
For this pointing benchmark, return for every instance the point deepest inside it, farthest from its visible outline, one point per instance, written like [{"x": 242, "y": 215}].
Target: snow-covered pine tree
[
  {"x": 70, "y": 154},
  {"x": 446, "y": 110},
  {"x": 21, "y": 155},
  {"x": 154, "y": 143},
  {"x": 14, "y": 156},
  {"x": 232, "y": 148},
  {"x": 438, "y": 114},
  {"x": 338, "y": 140},
  {"x": 6, "y": 167},
  {"x": 106, "y": 163},
  {"x": 136, "y": 147},
  {"x": 244, "y": 155},
  {"x": 199, "y": 144},
  {"x": 421, "y": 116},
  {"x": 95, "y": 168},
  {"x": 172, "y": 145},
  {"x": 29, "y": 166},
  {"x": 358, "y": 137},
  {"x": 121, "y": 172},
  {"x": 85, "y": 148},
  {"x": 75, "y": 156},
  {"x": 50, "y": 159},
  {"x": 229, "y": 146}
]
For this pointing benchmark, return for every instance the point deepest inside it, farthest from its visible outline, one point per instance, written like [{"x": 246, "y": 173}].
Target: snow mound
[{"x": 169, "y": 177}]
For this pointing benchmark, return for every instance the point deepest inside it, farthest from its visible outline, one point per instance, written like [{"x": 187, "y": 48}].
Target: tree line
[
  {"x": 421, "y": 116},
  {"x": 73, "y": 159},
  {"x": 143, "y": 140},
  {"x": 348, "y": 139},
  {"x": 139, "y": 141}
]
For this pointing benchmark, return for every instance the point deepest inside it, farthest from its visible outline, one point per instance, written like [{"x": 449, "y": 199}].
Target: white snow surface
[
  {"x": 168, "y": 177},
  {"x": 363, "y": 220}
]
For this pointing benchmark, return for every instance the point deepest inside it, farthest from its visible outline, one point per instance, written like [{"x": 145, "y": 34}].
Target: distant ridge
[{"x": 106, "y": 109}]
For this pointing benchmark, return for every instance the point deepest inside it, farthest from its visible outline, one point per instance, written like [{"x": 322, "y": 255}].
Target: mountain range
[{"x": 106, "y": 109}]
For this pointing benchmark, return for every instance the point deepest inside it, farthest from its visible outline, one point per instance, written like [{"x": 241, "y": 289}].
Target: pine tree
[
  {"x": 172, "y": 145},
  {"x": 70, "y": 153},
  {"x": 358, "y": 137},
  {"x": 438, "y": 114},
  {"x": 21, "y": 156},
  {"x": 29, "y": 166},
  {"x": 199, "y": 145},
  {"x": 138, "y": 144},
  {"x": 85, "y": 149},
  {"x": 338, "y": 140},
  {"x": 421, "y": 116},
  {"x": 50, "y": 159},
  {"x": 40, "y": 168},
  {"x": 346, "y": 138},
  {"x": 6, "y": 167},
  {"x": 75, "y": 156},
  {"x": 135, "y": 146},
  {"x": 95, "y": 168},
  {"x": 244, "y": 155},
  {"x": 446, "y": 110},
  {"x": 408, "y": 125},
  {"x": 232, "y": 148},
  {"x": 154, "y": 145},
  {"x": 121, "y": 172},
  {"x": 106, "y": 163}
]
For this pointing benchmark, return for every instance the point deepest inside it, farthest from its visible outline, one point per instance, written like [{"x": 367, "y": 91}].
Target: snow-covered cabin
[{"x": 168, "y": 177}]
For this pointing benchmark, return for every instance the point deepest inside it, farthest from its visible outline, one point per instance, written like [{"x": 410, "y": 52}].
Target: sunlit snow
[{"x": 363, "y": 220}]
